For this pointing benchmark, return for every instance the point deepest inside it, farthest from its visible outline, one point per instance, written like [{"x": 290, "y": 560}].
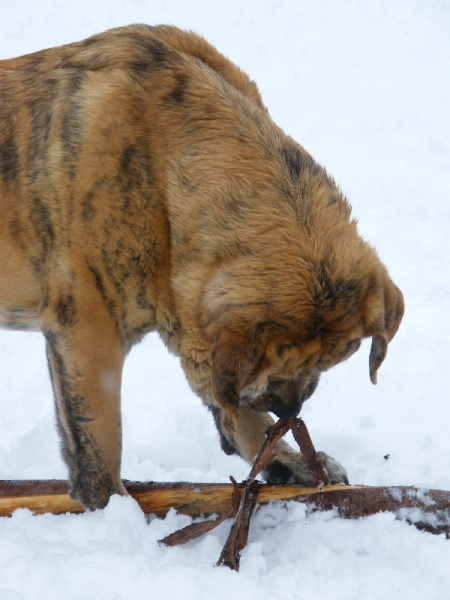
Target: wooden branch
[
  {"x": 197, "y": 499},
  {"x": 193, "y": 499}
]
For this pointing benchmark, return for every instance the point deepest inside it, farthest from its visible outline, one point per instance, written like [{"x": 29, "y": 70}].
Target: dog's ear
[
  {"x": 392, "y": 312},
  {"x": 233, "y": 361}
]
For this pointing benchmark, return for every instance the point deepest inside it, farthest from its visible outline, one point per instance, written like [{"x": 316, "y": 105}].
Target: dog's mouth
[{"x": 284, "y": 398}]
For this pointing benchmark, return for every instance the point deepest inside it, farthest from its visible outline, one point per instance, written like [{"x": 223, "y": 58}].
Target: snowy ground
[{"x": 365, "y": 87}]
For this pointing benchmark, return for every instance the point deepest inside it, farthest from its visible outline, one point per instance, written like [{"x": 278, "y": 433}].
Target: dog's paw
[
  {"x": 292, "y": 468},
  {"x": 94, "y": 493},
  {"x": 335, "y": 471}
]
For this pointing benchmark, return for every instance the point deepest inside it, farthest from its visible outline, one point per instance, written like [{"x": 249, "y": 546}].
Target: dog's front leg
[{"x": 85, "y": 357}]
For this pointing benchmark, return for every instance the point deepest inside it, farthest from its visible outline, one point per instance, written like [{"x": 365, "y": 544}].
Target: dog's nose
[
  {"x": 286, "y": 412},
  {"x": 288, "y": 399}
]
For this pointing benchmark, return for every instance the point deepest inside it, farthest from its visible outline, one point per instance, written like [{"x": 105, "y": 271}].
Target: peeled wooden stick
[{"x": 197, "y": 499}]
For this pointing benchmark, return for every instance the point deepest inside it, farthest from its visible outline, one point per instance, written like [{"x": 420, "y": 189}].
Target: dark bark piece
[
  {"x": 268, "y": 451},
  {"x": 237, "y": 538},
  {"x": 303, "y": 439}
]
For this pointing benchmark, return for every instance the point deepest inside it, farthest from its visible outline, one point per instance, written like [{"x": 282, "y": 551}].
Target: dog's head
[{"x": 277, "y": 326}]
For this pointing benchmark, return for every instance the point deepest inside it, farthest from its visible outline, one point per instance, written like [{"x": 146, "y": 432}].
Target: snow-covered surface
[{"x": 365, "y": 87}]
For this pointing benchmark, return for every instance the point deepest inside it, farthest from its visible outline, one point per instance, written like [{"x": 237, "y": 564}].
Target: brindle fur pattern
[{"x": 143, "y": 186}]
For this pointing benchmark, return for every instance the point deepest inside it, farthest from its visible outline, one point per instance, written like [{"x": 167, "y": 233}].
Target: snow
[{"x": 365, "y": 87}]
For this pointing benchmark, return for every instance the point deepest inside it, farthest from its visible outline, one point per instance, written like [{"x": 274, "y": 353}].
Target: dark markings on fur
[
  {"x": 233, "y": 249},
  {"x": 16, "y": 230},
  {"x": 293, "y": 158},
  {"x": 91, "y": 485},
  {"x": 179, "y": 94},
  {"x": 226, "y": 443},
  {"x": 334, "y": 198},
  {"x": 226, "y": 393},
  {"x": 126, "y": 158},
  {"x": 90, "y": 41},
  {"x": 9, "y": 159},
  {"x": 71, "y": 118},
  {"x": 88, "y": 210},
  {"x": 241, "y": 250},
  {"x": 158, "y": 51},
  {"x": 130, "y": 177},
  {"x": 283, "y": 348},
  {"x": 109, "y": 302},
  {"x": 36, "y": 61},
  {"x": 98, "y": 282},
  {"x": 123, "y": 269},
  {"x": 135, "y": 174},
  {"x": 117, "y": 267},
  {"x": 40, "y": 217},
  {"x": 154, "y": 54},
  {"x": 135, "y": 335},
  {"x": 18, "y": 318},
  {"x": 277, "y": 473},
  {"x": 140, "y": 66},
  {"x": 142, "y": 301},
  {"x": 348, "y": 288},
  {"x": 66, "y": 311},
  {"x": 41, "y": 106},
  {"x": 42, "y": 223},
  {"x": 332, "y": 294},
  {"x": 298, "y": 160},
  {"x": 264, "y": 326},
  {"x": 343, "y": 295}
]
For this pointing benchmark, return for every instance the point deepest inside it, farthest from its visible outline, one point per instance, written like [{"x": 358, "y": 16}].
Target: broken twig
[{"x": 195, "y": 530}]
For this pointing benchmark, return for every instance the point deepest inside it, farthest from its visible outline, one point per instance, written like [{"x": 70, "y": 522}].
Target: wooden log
[
  {"x": 196, "y": 499},
  {"x": 193, "y": 499}
]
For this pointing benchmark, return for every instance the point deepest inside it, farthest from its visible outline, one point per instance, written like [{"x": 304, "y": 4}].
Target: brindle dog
[{"x": 143, "y": 186}]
